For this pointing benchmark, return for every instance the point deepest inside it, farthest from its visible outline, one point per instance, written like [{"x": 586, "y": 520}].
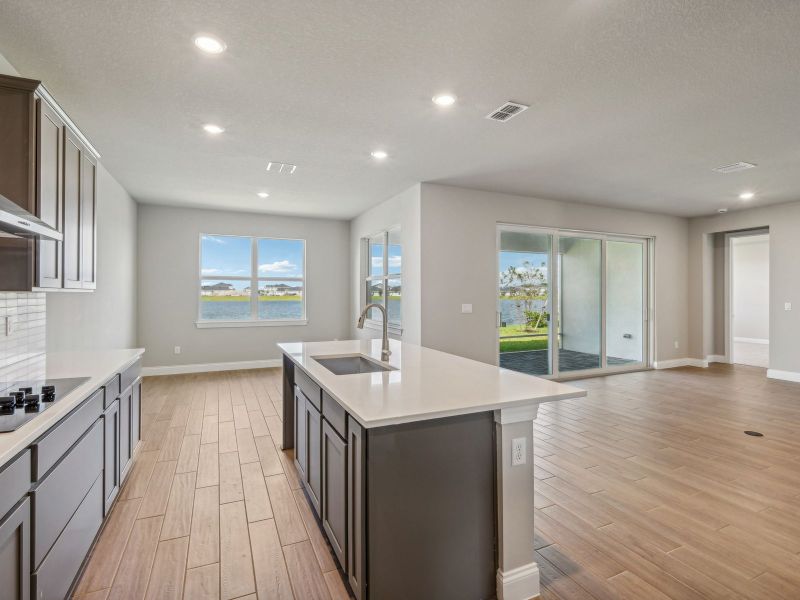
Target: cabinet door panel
[
  {"x": 334, "y": 490},
  {"x": 111, "y": 462},
  {"x": 356, "y": 516},
  {"x": 136, "y": 414},
  {"x": 15, "y": 553},
  {"x": 314, "y": 445},
  {"x": 49, "y": 201},
  {"x": 88, "y": 221},
  {"x": 72, "y": 211},
  {"x": 300, "y": 450},
  {"x": 124, "y": 434}
]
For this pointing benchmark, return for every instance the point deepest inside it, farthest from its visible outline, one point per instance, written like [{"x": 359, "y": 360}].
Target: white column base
[{"x": 521, "y": 583}]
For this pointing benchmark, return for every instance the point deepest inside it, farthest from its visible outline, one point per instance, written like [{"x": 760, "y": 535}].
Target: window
[
  {"x": 251, "y": 281},
  {"x": 383, "y": 276}
]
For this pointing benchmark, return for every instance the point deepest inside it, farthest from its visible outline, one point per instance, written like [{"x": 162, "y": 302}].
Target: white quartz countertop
[
  {"x": 98, "y": 366},
  {"x": 427, "y": 384}
]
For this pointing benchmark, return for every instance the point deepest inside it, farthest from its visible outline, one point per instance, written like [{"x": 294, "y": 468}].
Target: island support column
[{"x": 517, "y": 573}]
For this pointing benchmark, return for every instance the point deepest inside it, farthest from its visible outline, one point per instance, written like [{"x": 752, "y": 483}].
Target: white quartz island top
[
  {"x": 426, "y": 384},
  {"x": 98, "y": 366}
]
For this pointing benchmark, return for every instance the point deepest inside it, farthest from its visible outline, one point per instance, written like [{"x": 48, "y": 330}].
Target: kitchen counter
[
  {"x": 427, "y": 384},
  {"x": 98, "y": 366}
]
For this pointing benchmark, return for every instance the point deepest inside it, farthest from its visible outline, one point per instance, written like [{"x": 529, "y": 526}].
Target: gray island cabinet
[
  {"x": 408, "y": 468},
  {"x": 60, "y": 473}
]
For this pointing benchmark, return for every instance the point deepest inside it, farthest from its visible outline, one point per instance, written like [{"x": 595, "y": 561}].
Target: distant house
[
  {"x": 280, "y": 289},
  {"x": 218, "y": 289}
]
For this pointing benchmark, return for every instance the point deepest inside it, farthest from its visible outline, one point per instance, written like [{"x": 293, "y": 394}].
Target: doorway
[
  {"x": 572, "y": 303},
  {"x": 749, "y": 299}
]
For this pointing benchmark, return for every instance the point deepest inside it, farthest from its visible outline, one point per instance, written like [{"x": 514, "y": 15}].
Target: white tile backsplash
[{"x": 27, "y": 339}]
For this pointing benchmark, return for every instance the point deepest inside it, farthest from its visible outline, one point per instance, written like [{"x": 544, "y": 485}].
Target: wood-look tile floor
[{"x": 646, "y": 489}]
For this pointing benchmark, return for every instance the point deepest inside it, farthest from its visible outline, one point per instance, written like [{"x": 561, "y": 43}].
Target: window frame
[
  {"x": 367, "y": 278},
  {"x": 254, "y": 280}
]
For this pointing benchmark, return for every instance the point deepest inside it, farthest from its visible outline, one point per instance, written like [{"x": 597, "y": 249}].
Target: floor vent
[
  {"x": 734, "y": 167},
  {"x": 506, "y": 111}
]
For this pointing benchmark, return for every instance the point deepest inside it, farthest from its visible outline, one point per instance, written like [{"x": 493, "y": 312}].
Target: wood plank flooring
[{"x": 646, "y": 489}]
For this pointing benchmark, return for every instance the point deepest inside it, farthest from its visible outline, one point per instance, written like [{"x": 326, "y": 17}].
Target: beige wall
[
  {"x": 460, "y": 264},
  {"x": 105, "y": 318},
  {"x": 168, "y": 285},
  {"x": 402, "y": 210}
]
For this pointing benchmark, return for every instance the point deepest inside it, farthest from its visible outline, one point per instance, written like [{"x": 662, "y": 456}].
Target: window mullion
[{"x": 254, "y": 279}]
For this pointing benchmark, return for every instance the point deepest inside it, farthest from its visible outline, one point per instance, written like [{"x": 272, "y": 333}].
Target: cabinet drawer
[
  {"x": 57, "y": 497},
  {"x": 49, "y": 449},
  {"x": 311, "y": 390},
  {"x": 15, "y": 481},
  {"x": 112, "y": 390},
  {"x": 129, "y": 375},
  {"x": 55, "y": 576},
  {"x": 334, "y": 414}
]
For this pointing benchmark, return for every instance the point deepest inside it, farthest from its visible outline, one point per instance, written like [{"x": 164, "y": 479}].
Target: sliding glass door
[{"x": 571, "y": 303}]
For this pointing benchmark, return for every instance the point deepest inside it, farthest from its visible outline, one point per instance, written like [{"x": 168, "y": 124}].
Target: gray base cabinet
[
  {"x": 111, "y": 480},
  {"x": 334, "y": 490},
  {"x": 15, "y": 553},
  {"x": 356, "y": 501}
]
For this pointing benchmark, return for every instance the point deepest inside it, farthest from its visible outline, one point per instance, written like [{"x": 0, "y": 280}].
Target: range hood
[{"x": 17, "y": 221}]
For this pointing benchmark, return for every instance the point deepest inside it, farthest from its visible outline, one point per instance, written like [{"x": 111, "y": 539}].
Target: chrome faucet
[{"x": 385, "y": 352}]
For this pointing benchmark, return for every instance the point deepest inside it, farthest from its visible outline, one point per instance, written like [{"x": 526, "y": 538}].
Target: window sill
[
  {"x": 378, "y": 326},
  {"x": 218, "y": 324}
]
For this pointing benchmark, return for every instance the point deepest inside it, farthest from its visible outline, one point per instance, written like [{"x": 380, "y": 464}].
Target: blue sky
[
  {"x": 395, "y": 258},
  {"x": 515, "y": 259},
  {"x": 229, "y": 255}
]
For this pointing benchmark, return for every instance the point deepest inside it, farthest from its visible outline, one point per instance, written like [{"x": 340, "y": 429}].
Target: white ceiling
[{"x": 633, "y": 102}]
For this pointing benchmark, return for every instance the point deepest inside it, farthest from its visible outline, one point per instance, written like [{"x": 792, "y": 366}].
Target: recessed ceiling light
[
  {"x": 722, "y": 211},
  {"x": 209, "y": 44},
  {"x": 444, "y": 100},
  {"x": 379, "y": 154},
  {"x": 213, "y": 129},
  {"x": 746, "y": 196},
  {"x": 263, "y": 195}
]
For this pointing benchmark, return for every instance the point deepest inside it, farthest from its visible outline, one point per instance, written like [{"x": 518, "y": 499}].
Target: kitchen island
[{"x": 420, "y": 468}]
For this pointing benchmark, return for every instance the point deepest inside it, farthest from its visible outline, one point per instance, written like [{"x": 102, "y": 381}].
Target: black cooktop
[{"x": 20, "y": 402}]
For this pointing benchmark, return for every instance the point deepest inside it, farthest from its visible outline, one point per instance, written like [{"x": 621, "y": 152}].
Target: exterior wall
[
  {"x": 168, "y": 285},
  {"x": 460, "y": 263},
  {"x": 623, "y": 303},
  {"x": 580, "y": 295}
]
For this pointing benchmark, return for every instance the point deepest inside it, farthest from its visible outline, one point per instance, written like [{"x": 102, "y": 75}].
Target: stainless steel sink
[{"x": 350, "y": 364}]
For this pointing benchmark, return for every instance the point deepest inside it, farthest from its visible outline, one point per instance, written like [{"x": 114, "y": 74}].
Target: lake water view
[
  {"x": 283, "y": 310},
  {"x": 512, "y": 311}
]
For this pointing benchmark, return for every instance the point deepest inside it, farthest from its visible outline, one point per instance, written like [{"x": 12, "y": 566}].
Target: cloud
[
  {"x": 209, "y": 271},
  {"x": 279, "y": 266},
  {"x": 211, "y": 238},
  {"x": 394, "y": 261}
]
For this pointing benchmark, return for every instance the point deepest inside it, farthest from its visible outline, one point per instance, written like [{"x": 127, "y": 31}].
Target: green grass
[
  {"x": 247, "y": 298},
  {"x": 379, "y": 299},
  {"x": 518, "y": 344}
]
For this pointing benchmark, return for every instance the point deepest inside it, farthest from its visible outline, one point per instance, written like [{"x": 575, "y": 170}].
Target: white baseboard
[
  {"x": 784, "y": 375},
  {"x": 716, "y": 358},
  {"x": 680, "y": 362},
  {"x": 210, "y": 367},
  {"x": 521, "y": 583},
  {"x": 751, "y": 340}
]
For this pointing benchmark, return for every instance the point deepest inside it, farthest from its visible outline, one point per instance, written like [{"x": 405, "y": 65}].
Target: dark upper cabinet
[
  {"x": 49, "y": 191},
  {"x": 72, "y": 211},
  {"x": 88, "y": 220},
  {"x": 50, "y": 169}
]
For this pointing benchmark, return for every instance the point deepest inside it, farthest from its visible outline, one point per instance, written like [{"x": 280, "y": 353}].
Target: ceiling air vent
[
  {"x": 281, "y": 168},
  {"x": 506, "y": 111},
  {"x": 734, "y": 167}
]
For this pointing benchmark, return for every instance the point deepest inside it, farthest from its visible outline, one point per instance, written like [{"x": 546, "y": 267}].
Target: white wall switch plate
[
  {"x": 518, "y": 452},
  {"x": 177, "y": 349},
  {"x": 676, "y": 344},
  {"x": 787, "y": 306},
  {"x": 466, "y": 309}
]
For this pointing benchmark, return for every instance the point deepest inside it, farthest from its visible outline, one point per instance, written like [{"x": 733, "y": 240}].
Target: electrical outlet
[
  {"x": 466, "y": 309},
  {"x": 518, "y": 453},
  {"x": 676, "y": 344},
  {"x": 177, "y": 350},
  {"x": 787, "y": 306}
]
